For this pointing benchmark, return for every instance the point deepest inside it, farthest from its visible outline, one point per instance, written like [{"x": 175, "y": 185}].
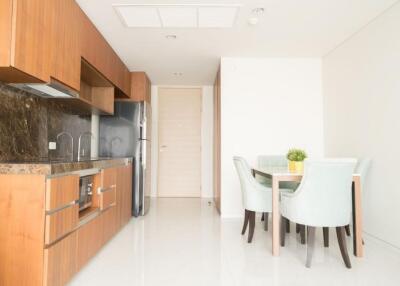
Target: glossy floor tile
[{"x": 184, "y": 242}]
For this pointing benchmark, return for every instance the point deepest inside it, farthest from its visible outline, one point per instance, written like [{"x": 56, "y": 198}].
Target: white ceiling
[{"x": 288, "y": 28}]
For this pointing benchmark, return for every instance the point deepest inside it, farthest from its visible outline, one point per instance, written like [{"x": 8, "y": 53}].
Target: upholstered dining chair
[
  {"x": 279, "y": 161},
  {"x": 362, "y": 168},
  {"x": 256, "y": 197},
  {"x": 323, "y": 199}
]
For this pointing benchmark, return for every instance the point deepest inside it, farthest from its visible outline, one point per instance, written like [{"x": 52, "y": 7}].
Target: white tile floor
[{"x": 184, "y": 242}]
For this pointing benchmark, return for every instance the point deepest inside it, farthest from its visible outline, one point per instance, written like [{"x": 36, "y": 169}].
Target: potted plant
[{"x": 296, "y": 158}]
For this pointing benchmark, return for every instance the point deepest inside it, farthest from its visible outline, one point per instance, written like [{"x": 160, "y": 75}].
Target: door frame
[{"x": 158, "y": 128}]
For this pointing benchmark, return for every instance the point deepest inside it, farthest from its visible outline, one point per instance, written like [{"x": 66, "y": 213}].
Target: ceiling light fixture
[
  {"x": 258, "y": 11},
  {"x": 178, "y": 74},
  {"x": 255, "y": 14},
  {"x": 171, "y": 37}
]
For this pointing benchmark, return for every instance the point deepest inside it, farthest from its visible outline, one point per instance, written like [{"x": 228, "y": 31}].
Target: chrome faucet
[
  {"x": 79, "y": 143},
  {"x": 72, "y": 142}
]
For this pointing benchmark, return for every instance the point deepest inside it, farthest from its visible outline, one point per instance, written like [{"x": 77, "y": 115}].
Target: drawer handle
[
  {"x": 50, "y": 212},
  {"x": 104, "y": 190}
]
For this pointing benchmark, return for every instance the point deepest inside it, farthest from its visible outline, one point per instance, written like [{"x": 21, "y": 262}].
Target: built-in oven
[
  {"x": 86, "y": 192},
  {"x": 86, "y": 181}
]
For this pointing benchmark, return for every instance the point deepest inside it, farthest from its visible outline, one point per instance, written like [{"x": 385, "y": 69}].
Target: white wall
[
  {"x": 361, "y": 84},
  {"x": 267, "y": 106},
  {"x": 154, "y": 140},
  {"x": 206, "y": 141}
]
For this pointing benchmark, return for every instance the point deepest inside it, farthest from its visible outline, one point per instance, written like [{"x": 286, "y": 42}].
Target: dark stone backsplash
[{"x": 29, "y": 122}]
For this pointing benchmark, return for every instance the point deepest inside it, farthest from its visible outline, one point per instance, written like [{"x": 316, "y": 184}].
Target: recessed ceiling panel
[
  {"x": 217, "y": 17},
  {"x": 178, "y": 17},
  {"x": 139, "y": 16}
]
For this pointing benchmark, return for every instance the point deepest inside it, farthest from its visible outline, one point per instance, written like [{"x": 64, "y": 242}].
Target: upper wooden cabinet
[
  {"x": 42, "y": 40},
  {"x": 100, "y": 55},
  {"x": 140, "y": 87},
  {"x": 24, "y": 40},
  {"x": 65, "y": 42}
]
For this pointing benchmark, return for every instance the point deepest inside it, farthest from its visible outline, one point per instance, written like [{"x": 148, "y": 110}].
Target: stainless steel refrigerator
[{"x": 128, "y": 134}]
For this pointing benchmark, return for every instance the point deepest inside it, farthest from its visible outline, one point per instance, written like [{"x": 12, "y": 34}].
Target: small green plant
[{"x": 296, "y": 155}]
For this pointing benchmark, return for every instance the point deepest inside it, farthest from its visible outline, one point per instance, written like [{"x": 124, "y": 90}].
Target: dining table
[{"x": 283, "y": 174}]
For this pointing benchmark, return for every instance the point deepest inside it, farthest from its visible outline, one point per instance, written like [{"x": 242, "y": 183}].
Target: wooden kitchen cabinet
[
  {"x": 60, "y": 261},
  {"x": 124, "y": 194},
  {"x": 61, "y": 223},
  {"x": 25, "y": 41},
  {"x": 109, "y": 219},
  {"x": 61, "y": 191},
  {"x": 90, "y": 240},
  {"x": 44, "y": 40},
  {"x": 140, "y": 87},
  {"x": 43, "y": 238},
  {"x": 100, "y": 55},
  {"x": 40, "y": 40},
  {"x": 65, "y": 42}
]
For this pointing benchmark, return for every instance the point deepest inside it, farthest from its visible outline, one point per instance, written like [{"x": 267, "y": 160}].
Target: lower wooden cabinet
[
  {"x": 109, "y": 218},
  {"x": 124, "y": 193},
  {"x": 42, "y": 241},
  {"x": 90, "y": 240},
  {"x": 60, "y": 261},
  {"x": 61, "y": 222}
]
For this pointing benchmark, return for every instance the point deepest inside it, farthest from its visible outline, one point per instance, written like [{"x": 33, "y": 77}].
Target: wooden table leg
[
  {"x": 357, "y": 218},
  {"x": 275, "y": 217}
]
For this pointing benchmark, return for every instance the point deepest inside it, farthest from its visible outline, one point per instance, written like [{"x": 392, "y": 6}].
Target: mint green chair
[
  {"x": 362, "y": 168},
  {"x": 279, "y": 161},
  {"x": 323, "y": 199},
  {"x": 274, "y": 161},
  {"x": 255, "y": 196}
]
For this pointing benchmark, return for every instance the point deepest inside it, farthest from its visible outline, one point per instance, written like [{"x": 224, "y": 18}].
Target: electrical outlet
[{"x": 52, "y": 145}]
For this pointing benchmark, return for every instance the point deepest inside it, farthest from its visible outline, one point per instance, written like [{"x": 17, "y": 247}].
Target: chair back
[
  {"x": 325, "y": 192},
  {"x": 254, "y": 196},
  {"x": 245, "y": 176},
  {"x": 272, "y": 161}
]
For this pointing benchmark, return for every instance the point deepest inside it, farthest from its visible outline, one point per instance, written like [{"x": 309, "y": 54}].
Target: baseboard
[{"x": 377, "y": 240}]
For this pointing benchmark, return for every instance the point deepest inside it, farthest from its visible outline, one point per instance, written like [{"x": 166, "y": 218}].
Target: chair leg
[
  {"x": 297, "y": 228},
  {"x": 310, "y": 244},
  {"x": 302, "y": 234},
  {"x": 266, "y": 222},
  {"x": 246, "y": 221},
  {"x": 340, "y": 232},
  {"x": 262, "y": 217},
  {"x": 252, "y": 224},
  {"x": 283, "y": 232},
  {"x": 326, "y": 236},
  {"x": 347, "y": 228},
  {"x": 287, "y": 226}
]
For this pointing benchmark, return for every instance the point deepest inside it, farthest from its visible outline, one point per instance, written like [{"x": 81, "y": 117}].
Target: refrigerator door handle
[{"x": 144, "y": 151}]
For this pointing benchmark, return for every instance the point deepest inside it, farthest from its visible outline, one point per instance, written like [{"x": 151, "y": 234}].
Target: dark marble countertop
[{"x": 57, "y": 167}]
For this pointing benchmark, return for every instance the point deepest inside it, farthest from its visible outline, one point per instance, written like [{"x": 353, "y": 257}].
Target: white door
[{"x": 179, "y": 143}]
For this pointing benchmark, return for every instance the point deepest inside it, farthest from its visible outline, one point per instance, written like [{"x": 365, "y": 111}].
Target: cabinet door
[
  {"x": 5, "y": 32},
  {"x": 109, "y": 218},
  {"x": 90, "y": 240},
  {"x": 140, "y": 87},
  {"x": 61, "y": 191},
  {"x": 60, "y": 261},
  {"x": 96, "y": 51},
  {"x": 60, "y": 223},
  {"x": 31, "y": 20},
  {"x": 124, "y": 188},
  {"x": 65, "y": 39}
]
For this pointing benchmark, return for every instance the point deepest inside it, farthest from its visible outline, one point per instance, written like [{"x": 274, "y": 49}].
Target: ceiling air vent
[{"x": 177, "y": 16}]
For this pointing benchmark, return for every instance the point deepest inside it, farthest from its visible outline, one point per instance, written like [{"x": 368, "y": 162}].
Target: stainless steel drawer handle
[{"x": 104, "y": 190}]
